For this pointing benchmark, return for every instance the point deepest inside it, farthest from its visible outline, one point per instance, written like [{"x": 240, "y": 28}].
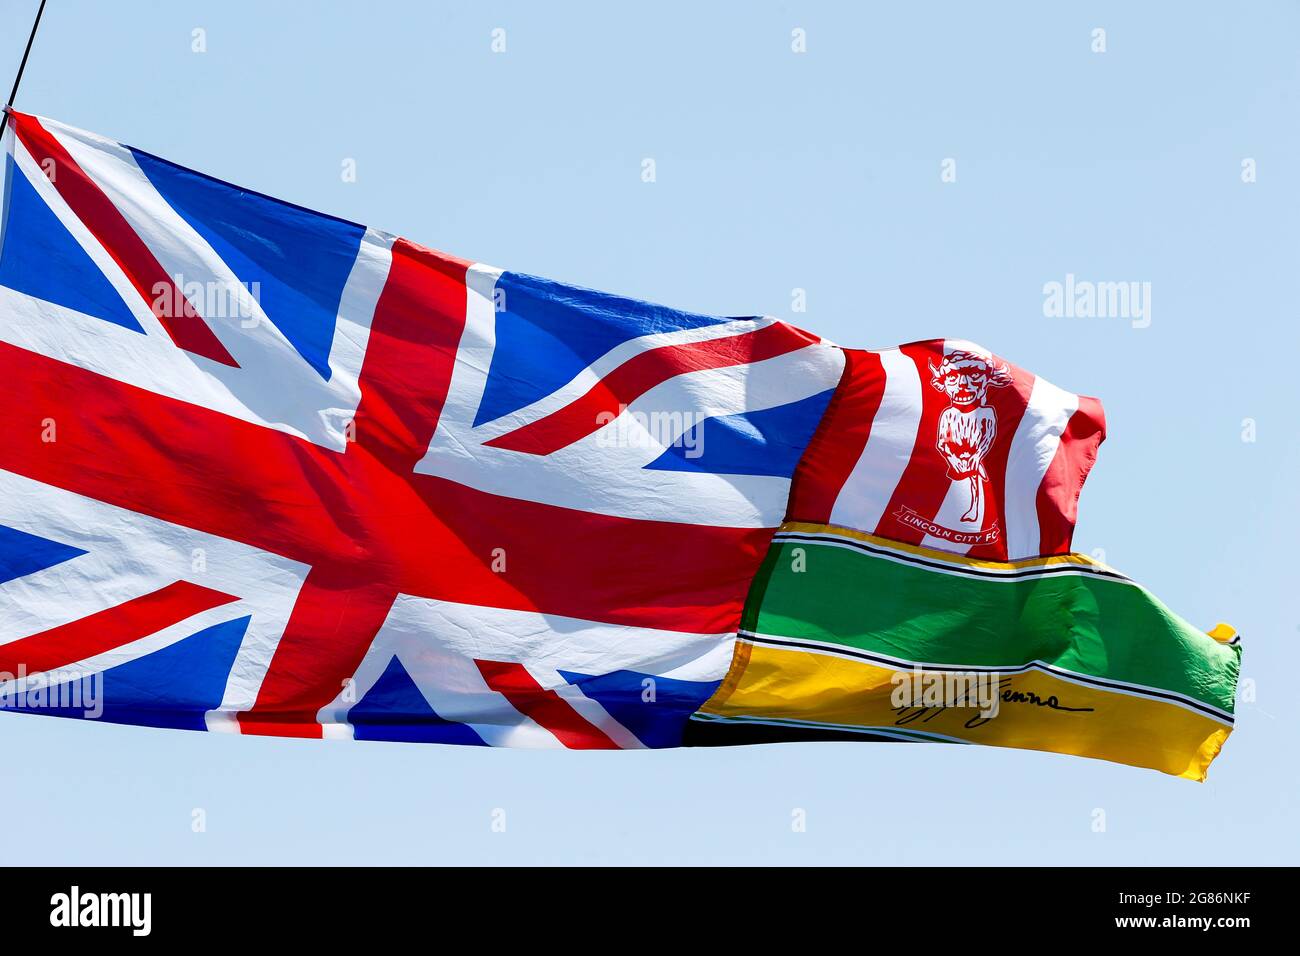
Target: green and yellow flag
[{"x": 850, "y": 635}]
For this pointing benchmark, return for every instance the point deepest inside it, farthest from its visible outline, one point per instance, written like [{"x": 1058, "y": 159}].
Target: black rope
[{"x": 4, "y": 119}]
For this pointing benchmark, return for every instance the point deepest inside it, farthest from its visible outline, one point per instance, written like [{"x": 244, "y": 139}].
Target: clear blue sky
[{"x": 775, "y": 170}]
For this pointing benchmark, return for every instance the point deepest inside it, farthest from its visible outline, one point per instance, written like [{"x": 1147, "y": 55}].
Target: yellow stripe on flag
[{"x": 1037, "y": 710}]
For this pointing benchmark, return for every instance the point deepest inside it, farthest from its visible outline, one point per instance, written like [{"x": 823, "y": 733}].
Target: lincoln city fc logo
[{"x": 968, "y": 426}]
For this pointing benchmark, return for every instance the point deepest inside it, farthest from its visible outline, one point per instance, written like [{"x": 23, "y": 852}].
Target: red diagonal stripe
[
  {"x": 839, "y": 440},
  {"x": 114, "y": 233},
  {"x": 545, "y": 707},
  {"x": 418, "y": 321},
  {"x": 333, "y": 624},
  {"x": 110, "y": 628},
  {"x": 643, "y": 372},
  {"x": 1058, "y": 495}
]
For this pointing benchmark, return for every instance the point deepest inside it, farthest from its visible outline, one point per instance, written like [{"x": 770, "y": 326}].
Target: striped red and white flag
[{"x": 942, "y": 444}]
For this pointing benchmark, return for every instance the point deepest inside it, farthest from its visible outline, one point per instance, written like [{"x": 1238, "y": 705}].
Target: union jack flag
[{"x": 267, "y": 471}]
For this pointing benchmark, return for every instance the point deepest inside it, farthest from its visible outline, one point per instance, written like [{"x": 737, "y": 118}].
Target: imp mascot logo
[{"x": 968, "y": 426}]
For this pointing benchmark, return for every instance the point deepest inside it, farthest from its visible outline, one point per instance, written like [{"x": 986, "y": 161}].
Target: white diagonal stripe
[
  {"x": 1033, "y": 447},
  {"x": 862, "y": 500}
]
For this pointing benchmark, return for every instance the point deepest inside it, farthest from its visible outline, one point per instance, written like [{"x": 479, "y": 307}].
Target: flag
[
  {"x": 273, "y": 472},
  {"x": 945, "y": 445},
  {"x": 851, "y": 636},
  {"x": 268, "y": 471}
]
